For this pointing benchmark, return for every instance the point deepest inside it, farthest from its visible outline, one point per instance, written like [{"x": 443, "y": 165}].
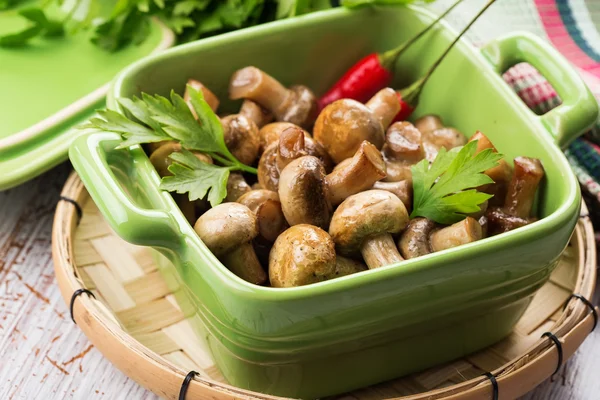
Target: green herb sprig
[
  {"x": 444, "y": 192},
  {"x": 156, "y": 119}
]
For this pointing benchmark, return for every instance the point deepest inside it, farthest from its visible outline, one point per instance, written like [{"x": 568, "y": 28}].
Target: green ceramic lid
[{"x": 48, "y": 87}]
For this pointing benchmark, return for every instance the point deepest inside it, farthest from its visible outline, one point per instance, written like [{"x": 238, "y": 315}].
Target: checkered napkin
[{"x": 573, "y": 27}]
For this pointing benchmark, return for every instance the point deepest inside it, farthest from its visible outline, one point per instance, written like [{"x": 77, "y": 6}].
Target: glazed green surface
[
  {"x": 41, "y": 79},
  {"x": 345, "y": 333}
]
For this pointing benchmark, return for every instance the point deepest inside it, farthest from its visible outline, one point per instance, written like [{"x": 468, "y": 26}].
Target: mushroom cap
[
  {"x": 209, "y": 96},
  {"x": 301, "y": 255},
  {"x": 302, "y": 109},
  {"x": 241, "y": 137},
  {"x": 270, "y": 133},
  {"x": 414, "y": 241},
  {"x": 236, "y": 186},
  {"x": 403, "y": 142},
  {"x": 343, "y": 125},
  {"x": 256, "y": 113},
  {"x": 366, "y": 214},
  {"x": 226, "y": 226},
  {"x": 268, "y": 173},
  {"x": 303, "y": 193}
]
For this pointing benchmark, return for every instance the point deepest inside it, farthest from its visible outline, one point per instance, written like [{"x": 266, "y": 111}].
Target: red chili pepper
[
  {"x": 372, "y": 73},
  {"x": 405, "y": 109}
]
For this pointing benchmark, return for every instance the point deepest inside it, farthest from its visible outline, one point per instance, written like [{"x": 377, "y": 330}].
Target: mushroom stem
[
  {"x": 210, "y": 97},
  {"x": 242, "y": 261},
  {"x": 380, "y": 250},
  {"x": 414, "y": 241},
  {"x": 252, "y": 83},
  {"x": 256, "y": 113},
  {"x": 466, "y": 231},
  {"x": 384, "y": 105},
  {"x": 501, "y": 172},
  {"x": 522, "y": 187},
  {"x": 402, "y": 189},
  {"x": 499, "y": 222},
  {"x": 397, "y": 171},
  {"x": 291, "y": 146},
  {"x": 360, "y": 173},
  {"x": 428, "y": 123}
]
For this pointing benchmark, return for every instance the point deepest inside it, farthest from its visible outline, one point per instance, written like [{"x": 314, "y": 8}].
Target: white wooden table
[{"x": 43, "y": 355}]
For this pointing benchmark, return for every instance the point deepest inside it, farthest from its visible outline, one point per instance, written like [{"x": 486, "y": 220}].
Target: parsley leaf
[
  {"x": 196, "y": 177},
  {"x": 440, "y": 191},
  {"x": 42, "y": 26}
]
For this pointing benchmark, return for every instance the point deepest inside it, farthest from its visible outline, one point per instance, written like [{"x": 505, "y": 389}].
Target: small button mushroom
[
  {"x": 267, "y": 207},
  {"x": 227, "y": 230},
  {"x": 499, "y": 221},
  {"x": 428, "y": 123},
  {"x": 210, "y": 97},
  {"x": 397, "y": 170},
  {"x": 293, "y": 143},
  {"x": 344, "y": 124},
  {"x": 414, "y": 241},
  {"x": 302, "y": 255},
  {"x": 364, "y": 224},
  {"x": 347, "y": 266},
  {"x": 403, "y": 189},
  {"x": 466, "y": 231},
  {"x": 161, "y": 161},
  {"x": 256, "y": 113},
  {"x": 403, "y": 142},
  {"x": 359, "y": 173},
  {"x": 236, "y": 187},
  {"x": 241, "y": 137},
  {"x": 303, "y": 193},
  {"x": 297, "y": 104},
  {"x": 521, "y": 190}
]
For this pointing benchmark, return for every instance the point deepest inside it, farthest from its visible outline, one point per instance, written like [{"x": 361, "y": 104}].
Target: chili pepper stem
[
  {"x": 411, "y": 94},
  {"x": 388, "y": 59}
]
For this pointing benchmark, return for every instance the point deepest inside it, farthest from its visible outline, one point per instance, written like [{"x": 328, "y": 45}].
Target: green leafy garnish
[
  {"x": 361, "y": 3},
  {"x": 156, "y": 119},
  {"x": 40, "y": 25},
  {"x": 190, "y": 175},
  {"x": 444, "y": 192}
]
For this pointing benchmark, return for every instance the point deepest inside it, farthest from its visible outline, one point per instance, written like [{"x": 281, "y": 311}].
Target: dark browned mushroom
[
  {"x": 303, "y": 194},
  {"x": 414, "y": 241},
  {"x": 521, "y": 190},
  {"x": 267, "y": 207},
  {"x": 344, "y": 124},
  {"x": 498, "y": 221},
  {"x": 227, "y": 230},
  {"x": 466, "y": 231},
  {"x": 302, "y": 255},
  {"x": 403, "y": 189},
  {"x": 236, "y": 187},
  {"x": 241, "y": 137},
  {"x": 364, "y": 224},
  {"x": 297, "y": 104}
]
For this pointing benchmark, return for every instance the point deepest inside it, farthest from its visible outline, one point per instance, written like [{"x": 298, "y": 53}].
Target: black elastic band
[
  {"x": 78, "y": 209},
  {"x": 186, "y": 383},
  {"x": 589, "y": 305},
  {"x": 75, "y": 294},
  {"x": 558, "y": 348},
  {"x": 492, "y": 379}
]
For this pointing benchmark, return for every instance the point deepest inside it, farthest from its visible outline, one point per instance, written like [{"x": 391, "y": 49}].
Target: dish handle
[
  {"x": 579, "y": 108},
  {"x": 151, "y": 226}
]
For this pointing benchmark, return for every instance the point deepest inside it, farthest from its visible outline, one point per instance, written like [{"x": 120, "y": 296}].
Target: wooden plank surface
[{"x": 43, "y": 355}]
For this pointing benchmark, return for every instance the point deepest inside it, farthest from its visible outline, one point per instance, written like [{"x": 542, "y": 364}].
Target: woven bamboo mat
[{"x": 126, "y": 280}]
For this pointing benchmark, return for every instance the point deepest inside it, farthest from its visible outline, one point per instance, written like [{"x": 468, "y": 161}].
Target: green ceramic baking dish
[{"x": 338, "y": 335}]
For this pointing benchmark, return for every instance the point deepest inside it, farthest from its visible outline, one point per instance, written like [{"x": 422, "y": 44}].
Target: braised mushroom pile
[{"x": 334, "y": 189}]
